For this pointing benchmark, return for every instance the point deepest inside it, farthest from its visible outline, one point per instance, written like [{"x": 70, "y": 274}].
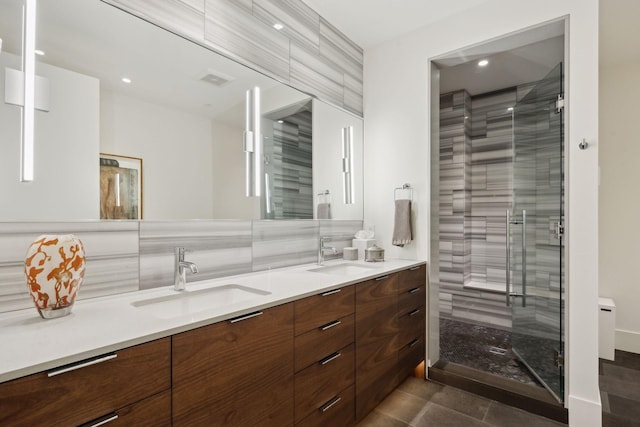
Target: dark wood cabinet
[
  {"x": 91, "y": 389},
  {"x": 390, "y": 334},
  {"x": 376, "y": 334},
  {"x": 325, "y": 358},
  {"x": 237, "y": 372},
  {"x": 322, "y": 309},
  {"x": 154, "y": 411},
  {"x": 411, "y": 319}
]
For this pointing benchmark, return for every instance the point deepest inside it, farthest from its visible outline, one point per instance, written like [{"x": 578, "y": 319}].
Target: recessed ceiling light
[
  {"x": 483, "y": 63},
  {"x": 278, "y": 26},
  {"x": 39, "y": 52},
  {"x": 126, "y": 80},
  {"x": 280, "y": 121}
]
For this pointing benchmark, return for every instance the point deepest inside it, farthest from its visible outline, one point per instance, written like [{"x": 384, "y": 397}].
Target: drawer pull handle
[
  {"x": 330, "y": 357},
  {"x": 103, "y": 422},
  {"x": 413, "y": 343},
  {"x": 330, "y": 325},
  {"x": 245, "y": 317},
  {"x": 382, "y": 277},
  {"x": 415, "y": 268},
  {"x": 328, "y": 405},
  {"x": 326, "y": 294},
  {"x": 414, "y": 312},
  {"x": 80, "y": 365},
  {"x": 414, "y": 290}
]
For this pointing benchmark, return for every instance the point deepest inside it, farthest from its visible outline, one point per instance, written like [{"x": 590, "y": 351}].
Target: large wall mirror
[{"x": 134, "y": 121}]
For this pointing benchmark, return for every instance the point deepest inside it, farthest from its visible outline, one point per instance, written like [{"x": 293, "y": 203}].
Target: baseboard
[
  {"x": 628, "y": 340},
  {"x": 584, "y": 412}
]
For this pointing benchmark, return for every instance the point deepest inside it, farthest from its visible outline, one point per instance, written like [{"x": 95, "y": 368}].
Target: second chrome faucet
[{"x": 180, "y": 272}]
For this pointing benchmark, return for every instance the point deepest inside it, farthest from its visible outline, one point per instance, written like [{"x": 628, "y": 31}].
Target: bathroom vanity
[{"x": 316, "y": 348}]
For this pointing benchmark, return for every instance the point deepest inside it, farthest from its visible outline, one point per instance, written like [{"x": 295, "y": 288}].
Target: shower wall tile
[
  {"x": 219, "y": 248},
  {"x": 454, "y": 178},
  {"x": 284, "y": 243},
  {"x": 491, "y": 188},
  {"x": 111, "y": 250},
  {"x": 291, "y": 168}
]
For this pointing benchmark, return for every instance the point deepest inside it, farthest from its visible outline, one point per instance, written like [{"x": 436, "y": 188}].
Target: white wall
[
  {"x": 66, "y": 180},
  {"x": 620, "y": 198},
  {"x": 176, "y": 153},
  {"x": 397, "y": 132}
]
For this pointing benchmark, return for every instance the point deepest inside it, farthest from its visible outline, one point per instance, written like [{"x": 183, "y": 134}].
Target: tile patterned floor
[
  {"x": 620, "y": 390},
  {"x": 418, "y": 403},
  {"x": 471, "y": 345}
]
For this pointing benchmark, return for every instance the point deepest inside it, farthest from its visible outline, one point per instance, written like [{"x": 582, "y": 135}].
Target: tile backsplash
[{"x": 125, "y": 256}]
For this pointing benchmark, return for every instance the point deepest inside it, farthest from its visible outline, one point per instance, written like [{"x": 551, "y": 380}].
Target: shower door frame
[
  {"x": 528, "y": 331},
  {"x": 433, "y": 70}
]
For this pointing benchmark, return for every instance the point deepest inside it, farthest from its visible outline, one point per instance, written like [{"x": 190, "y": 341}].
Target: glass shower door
[{"x": 535, "y": 242}]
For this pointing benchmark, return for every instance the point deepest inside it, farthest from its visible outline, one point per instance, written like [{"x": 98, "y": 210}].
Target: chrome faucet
[
  {"x": 322, "y": 248},
  {"x": 180, "y": 272}
]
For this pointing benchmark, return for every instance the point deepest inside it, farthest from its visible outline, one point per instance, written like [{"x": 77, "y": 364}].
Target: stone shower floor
[{"x": 471, "y": 345}]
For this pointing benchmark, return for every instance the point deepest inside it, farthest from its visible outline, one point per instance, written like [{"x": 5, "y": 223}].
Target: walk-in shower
[{"x": 497, "y": 215}]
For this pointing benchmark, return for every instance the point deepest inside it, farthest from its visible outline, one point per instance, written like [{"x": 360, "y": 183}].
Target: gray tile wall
[
  {"x": 308, "y": 53},
  {"x": 292, "y": 175},
  {"x": 125, "y": 256},
  {"x": 476, "y": 181},
  {"x": 476, "y": 189}
]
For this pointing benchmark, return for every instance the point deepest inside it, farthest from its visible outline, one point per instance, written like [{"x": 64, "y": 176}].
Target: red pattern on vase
[{"x": 54, "y": 267}]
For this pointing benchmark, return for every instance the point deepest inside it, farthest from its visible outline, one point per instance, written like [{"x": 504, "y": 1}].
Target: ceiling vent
[{"x": 215, "y": 78}]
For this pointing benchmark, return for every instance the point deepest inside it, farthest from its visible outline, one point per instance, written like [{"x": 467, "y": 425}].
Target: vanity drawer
[
  {"x": 412, "y": 278},
  {"x": 154, "y": 411},
  {"x": 337, "y": 411},
  {"x": 411, "y": 325},
  {"x": 322, "y": 381},
  {"x": 409, "y": 356},
  {"x": 321, "y": 309},
  {"x": 80, "y": 392},
  {"x": 317, "y": 343},
  {"x": 409, "y": 300}
]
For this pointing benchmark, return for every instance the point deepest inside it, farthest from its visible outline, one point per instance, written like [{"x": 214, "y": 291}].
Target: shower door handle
[
  {"x": 524, "y": 258},
  {"x": 508, "y": 292}
]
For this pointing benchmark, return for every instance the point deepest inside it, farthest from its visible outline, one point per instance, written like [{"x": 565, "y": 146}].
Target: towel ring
[
  {"x": 405, "y": 187},
  {"x": 324, "y": 197}
]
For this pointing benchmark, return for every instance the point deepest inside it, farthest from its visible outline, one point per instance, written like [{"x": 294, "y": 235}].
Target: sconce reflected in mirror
[
  {"x": 28, "y": 111},
  {"x": 253, "y": 144},
  {"x": 347, "y": 164}
]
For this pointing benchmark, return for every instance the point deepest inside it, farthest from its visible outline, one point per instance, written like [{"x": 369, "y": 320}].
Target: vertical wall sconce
[
  {"x": 28, "y": 111},
  {"x": 347, "y": 164},
  {"x": 253, "y": 144}
]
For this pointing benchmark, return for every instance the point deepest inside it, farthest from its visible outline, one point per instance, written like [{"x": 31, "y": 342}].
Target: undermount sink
[
  {"x": 344, "y": 269},
  {"x": 189, "y": 302}
]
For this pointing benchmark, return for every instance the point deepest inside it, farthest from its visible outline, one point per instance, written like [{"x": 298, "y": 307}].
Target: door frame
[{"x": 506, "y": 41}]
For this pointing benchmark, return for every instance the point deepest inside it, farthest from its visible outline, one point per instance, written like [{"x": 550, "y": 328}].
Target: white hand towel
[
  {"x": 402, "y": 223},
  {"x": 324, "y": 211}
]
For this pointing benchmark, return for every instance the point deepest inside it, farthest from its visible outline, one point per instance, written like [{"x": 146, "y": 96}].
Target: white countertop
[{"x": 30, "y": 344}]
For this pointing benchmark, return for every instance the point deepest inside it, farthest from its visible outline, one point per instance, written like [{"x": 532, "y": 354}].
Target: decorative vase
[{"x": 54, "y": 267}]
